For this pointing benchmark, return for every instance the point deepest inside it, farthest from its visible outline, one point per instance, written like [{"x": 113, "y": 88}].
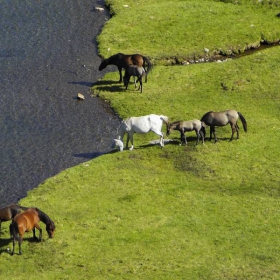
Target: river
[{"x": 48, "y": 54}]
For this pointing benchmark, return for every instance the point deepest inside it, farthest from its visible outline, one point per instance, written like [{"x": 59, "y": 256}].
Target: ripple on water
[{"x": 47, "y": 55}]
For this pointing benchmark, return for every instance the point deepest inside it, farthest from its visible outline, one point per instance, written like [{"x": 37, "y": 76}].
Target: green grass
[
  {"x": 182, "y": 212},
  {"x": 182, "y": 29}
]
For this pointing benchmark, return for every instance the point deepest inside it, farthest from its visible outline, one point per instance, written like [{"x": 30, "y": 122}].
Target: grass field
[{"x": 182, "y": 212}]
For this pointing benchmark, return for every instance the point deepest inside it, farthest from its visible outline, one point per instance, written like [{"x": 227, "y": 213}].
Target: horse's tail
[
  {"x": 14, "y": 230},
  {"x": 149, "y": 64},
  {"x": 244, "y": 123},
  {"x": 165, "y": 120}
]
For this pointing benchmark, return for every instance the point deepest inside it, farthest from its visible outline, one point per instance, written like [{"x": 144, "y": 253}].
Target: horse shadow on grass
[
  {"x": 110, "y": 86},
  {"x": 219, "y": 139},
  {"x": 94, "y": 154},
  {"x": 88, "y": 155},
  {"x": 154, "y": 143},
  {"x": 191, "y": 139},
  {"x": 6, "y": 244}
]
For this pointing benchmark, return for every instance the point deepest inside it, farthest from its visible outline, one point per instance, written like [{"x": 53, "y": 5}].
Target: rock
[
  {"x": 99, "y": 9},
  {"x": 80, "y": 97}
]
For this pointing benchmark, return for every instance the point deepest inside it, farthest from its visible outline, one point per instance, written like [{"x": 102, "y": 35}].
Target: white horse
[{"x": 142, "y": 125}]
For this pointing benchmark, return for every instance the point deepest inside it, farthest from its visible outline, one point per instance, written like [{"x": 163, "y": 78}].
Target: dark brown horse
[
  {"x": 27, "y": 221},
  {"x": 223, "y": 118},
  {"x": 184, "y": 126},
  {"x": 123, "y": 60},
  {"x": 9, "y": 212}
]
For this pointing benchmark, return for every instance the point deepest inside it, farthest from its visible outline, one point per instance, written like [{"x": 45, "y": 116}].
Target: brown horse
[
  {"x": 9, "y": 212},
  {"x": 27, "y": 221},
  {"x": 184, "y": 126},
  {"x": 123, "y": 60},
  {"x": 223, "y": 118}
]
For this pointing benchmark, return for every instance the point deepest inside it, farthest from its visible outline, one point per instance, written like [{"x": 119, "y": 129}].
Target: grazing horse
[
  {"x": 9, "y": 212},
  {"x": 27, "y": 221},
  {"x": 123, "y": 60},
  {"x": 135, "y": 71},
  {"x": 142, "y": 125},
  {"x": 223, "y": 118},
  {"x": 117, "y": 144},
  {"x": 184, "y": 126}
]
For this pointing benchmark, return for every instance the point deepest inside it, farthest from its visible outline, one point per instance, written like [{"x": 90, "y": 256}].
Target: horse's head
[
  {"x": 122, "y": 130},
  {"x": 50, "y": 229},
  {"x": 103, "y": 64},
  {"x": 168, "y": 129},
  {"x": 118, "y": 144}
]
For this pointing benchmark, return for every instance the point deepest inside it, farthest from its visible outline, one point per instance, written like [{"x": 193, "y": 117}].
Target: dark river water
[{"x": 48, "y": 54}]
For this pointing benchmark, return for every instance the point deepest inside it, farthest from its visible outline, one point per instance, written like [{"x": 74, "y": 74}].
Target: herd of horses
[
  {"x": 145, "y": 124},
  {"x": 25, "y": 219},
  {"x": 138, "y": 66}
]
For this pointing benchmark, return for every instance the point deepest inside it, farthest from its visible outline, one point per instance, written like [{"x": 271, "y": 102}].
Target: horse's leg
[
  {"x": 40, "y": 236},
  {"x": 131, "y": 140},
  {"x": 120, "y": 71},
  {"x": 232, "y": 131},
  {"x": 40, "y": 230},
  {"x": 237, "y": 131},
  {"x": 183, "y": 138},
  {"x": 211, "y": 131},
  {"x": 135, "y": 81},
  {"x": 14, "y": 242},
  {"x": 197, "y": 137},
  {"x": 127, "y": 81},
  {"x": 140, "y": 81},
  {"x": 127, "y": 140},
  {"x": 202, "y": 136},
  {"x": 19, "y": 245},
  {"x": 162, "y": 140},
  {"x": 34, "y": 235},
  {"x": 214, "y": 133}
]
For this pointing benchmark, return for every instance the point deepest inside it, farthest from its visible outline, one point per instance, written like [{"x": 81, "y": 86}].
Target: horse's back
[
  {"x": 220, "y": 118},
  {"x": 192, "y": 124},
  {"x": 8, "y": 212},
  {"x": 27, "y": 219},
  {"x": 134, "y": 70},
  {"x": 144, "y": 124}
]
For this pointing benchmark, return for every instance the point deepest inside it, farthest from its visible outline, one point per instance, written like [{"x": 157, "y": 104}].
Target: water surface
[{"x": 48, "y": 54}]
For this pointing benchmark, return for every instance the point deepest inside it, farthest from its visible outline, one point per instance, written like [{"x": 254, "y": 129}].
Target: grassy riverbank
[
  {"x": 183, "y": 212},
  {"x": 185, "y": 29}
]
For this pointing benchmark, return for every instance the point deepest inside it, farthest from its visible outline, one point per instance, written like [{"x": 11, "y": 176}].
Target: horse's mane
[
  {"x": 43, "y": 216},
  {"x": 206, "y": 114},
  {"x": 176, "y": 122}
]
